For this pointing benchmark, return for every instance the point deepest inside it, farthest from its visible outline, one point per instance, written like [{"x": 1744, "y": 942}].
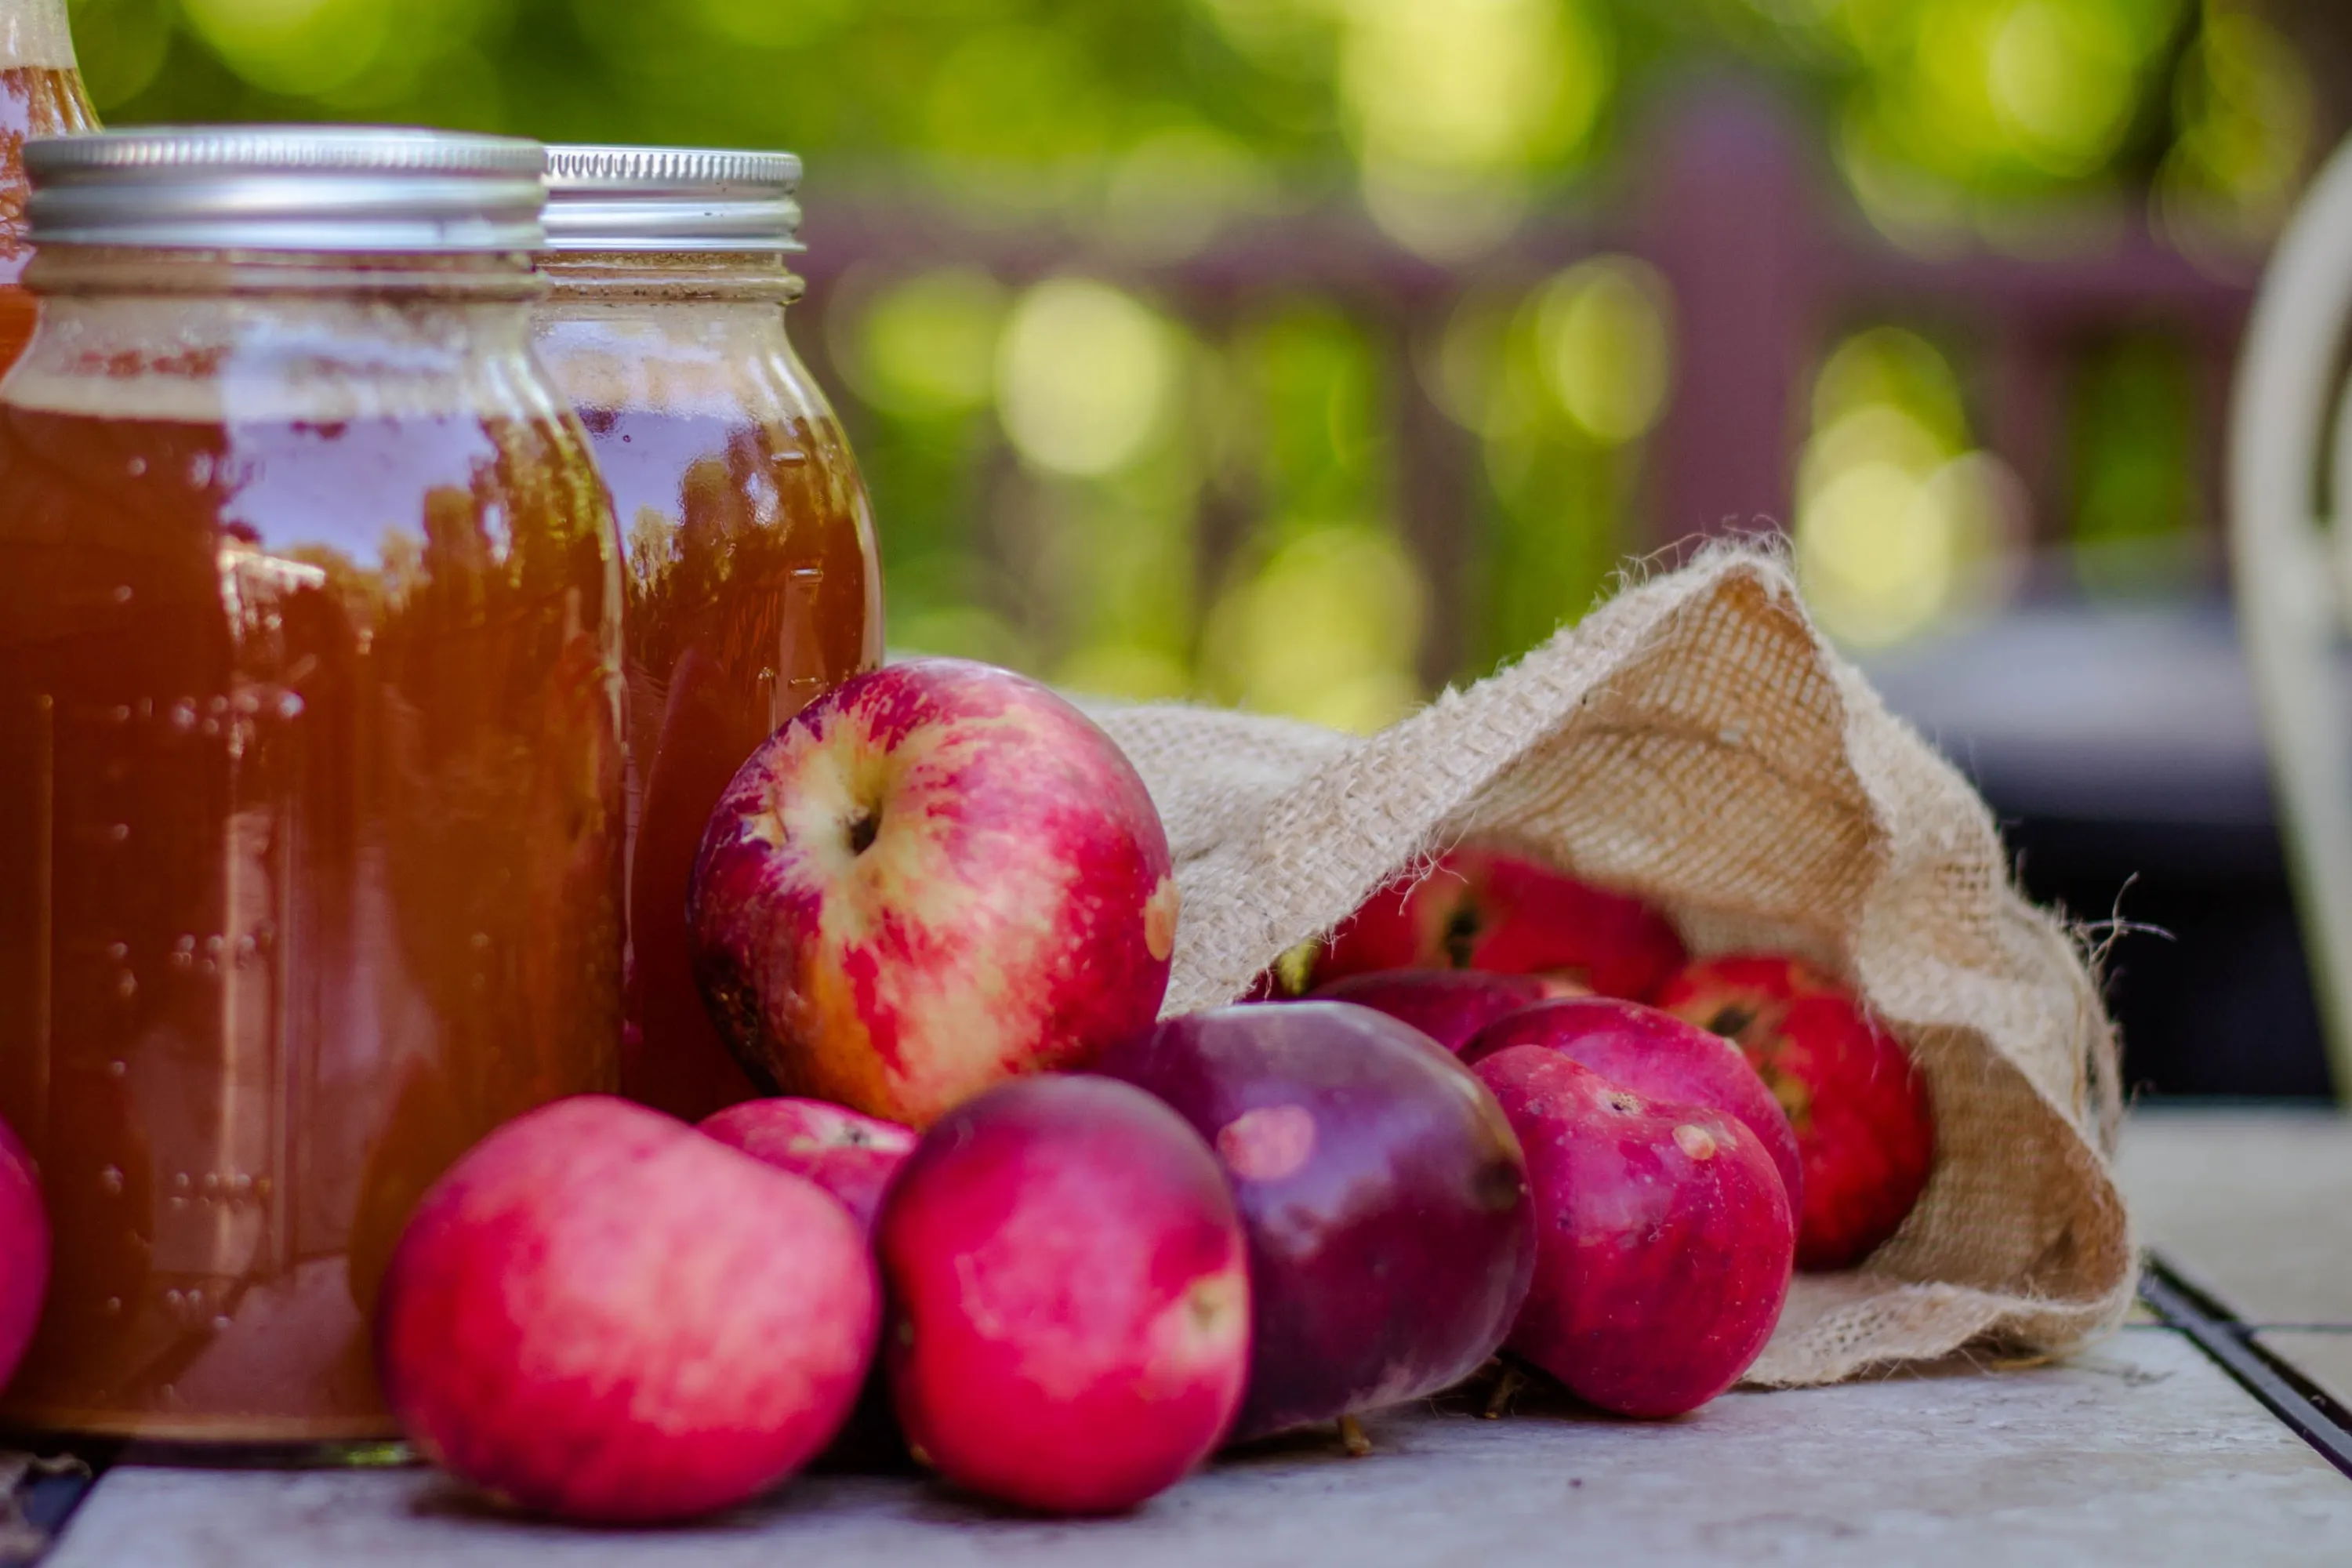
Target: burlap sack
[{"x": 1697, "y": 741}]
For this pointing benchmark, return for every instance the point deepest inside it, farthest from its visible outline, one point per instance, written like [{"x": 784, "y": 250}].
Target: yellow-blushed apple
[{"x": 937, "y": 877}]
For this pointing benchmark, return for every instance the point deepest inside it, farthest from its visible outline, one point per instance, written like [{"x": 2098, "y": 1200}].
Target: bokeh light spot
[
  {"x": 2246, "y": 105},
  {"x": 1894, "y": 368},
  {"x": 1875, "y": 553},
  {"x": 1169, "y": 193},
  {"x": 1326, "y": 631},
  {"x": 1475, "y": 371},
  {"x": 1605, "y": 340},
  {"x": 294, "y": 46},
  {"x": 1470, "y": 84},
  {"x": 1450, "y": 102},
  {"x": 1085, "y": 376},
  {"x": 1901, "y": 526},
  {"x": 2062, "y": 78},
  {"x": 927, "y": 346},
  {"x": 1442, "y": 214}
]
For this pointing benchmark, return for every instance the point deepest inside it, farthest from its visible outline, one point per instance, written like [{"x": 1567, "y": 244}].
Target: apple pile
[
  {"x": 1486, "y": 936},
  {"x": 1001, "y": 1219}
]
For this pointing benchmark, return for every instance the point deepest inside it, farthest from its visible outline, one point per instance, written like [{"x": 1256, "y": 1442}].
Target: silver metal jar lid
[
  {"x": 672, "y": 198},
  {"x": 286, "y": 187}
]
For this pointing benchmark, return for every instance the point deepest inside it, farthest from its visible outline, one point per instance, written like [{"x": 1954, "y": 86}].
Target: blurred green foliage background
[{"x": 1082, "y": 472}]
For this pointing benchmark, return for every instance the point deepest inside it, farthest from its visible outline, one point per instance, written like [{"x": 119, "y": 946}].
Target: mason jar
[
  {"x": 309, "y": 760},
  {"x": 750, "y": 572},
  {"x": 40, "y": 94}
]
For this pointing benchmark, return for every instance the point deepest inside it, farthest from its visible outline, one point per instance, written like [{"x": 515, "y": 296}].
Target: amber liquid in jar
[
  {"x": 309, "y": 779},
  {"x": 751, "y": 583},
  {"x": 35, "y": 100}
]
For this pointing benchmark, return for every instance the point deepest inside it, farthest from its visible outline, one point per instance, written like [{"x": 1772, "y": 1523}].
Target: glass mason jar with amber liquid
[
  {"x": 752, "y": 576},
  {"x": 40, "y": 94},
  {"x": 311, "y": 778}
]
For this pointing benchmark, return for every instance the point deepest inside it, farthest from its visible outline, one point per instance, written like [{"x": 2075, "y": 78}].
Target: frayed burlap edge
[{"x": 1697, "y": 742}]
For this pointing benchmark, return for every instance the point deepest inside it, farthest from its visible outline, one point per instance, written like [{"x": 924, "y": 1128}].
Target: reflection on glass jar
[
  {"x": 310, "y": 761},
  {"x": 751, "y": 578}
]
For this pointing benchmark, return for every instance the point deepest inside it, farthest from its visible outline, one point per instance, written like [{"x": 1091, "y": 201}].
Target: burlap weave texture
[{"x": 1696, "y": 740}]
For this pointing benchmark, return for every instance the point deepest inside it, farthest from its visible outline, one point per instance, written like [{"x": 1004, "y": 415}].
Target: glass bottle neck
[
  {"x": 319, "y": 355},
  {"x": 34, "y": 35},
  {"x": 719, "y": 277},
  {"x": 96, "y": 270}
]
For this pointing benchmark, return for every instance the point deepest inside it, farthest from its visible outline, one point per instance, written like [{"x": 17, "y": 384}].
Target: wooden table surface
[{"x": 2143, "y": 1450}]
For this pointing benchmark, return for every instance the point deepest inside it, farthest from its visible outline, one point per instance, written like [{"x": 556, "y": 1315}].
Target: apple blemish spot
[{"x": 1268, "y": 1143}]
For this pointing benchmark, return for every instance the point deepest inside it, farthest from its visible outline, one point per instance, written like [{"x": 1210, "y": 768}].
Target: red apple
[
  {"x": 600, "y": 1314},
  {"x": 1659, "y": 1057},
  {"x": 1391, "y": 1235},
  {"x": 24, "y": 1251},
  {"x": 1665, "y": 1237},
  {"x": 1481, "y": 909},
  {"x": 851, "y": 1156},
  {"x": 1069, "y": 1296},
  {"x": 1449, "y": 1006},
  {"x": 1865, "y": 1129},
  {"x": 935, "y": 877}
]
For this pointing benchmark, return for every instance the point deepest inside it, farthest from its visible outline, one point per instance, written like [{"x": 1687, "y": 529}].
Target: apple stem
[
  {"x": 1507, "y": 1383},
  {"x": 1462, "y": 936},
  {"x": 1352, "y": 1438},
  {"x": 1731, "y": 1021}
]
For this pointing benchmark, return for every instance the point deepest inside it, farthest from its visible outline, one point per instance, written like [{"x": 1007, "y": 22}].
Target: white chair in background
[{"x": 2290, "y": 496}]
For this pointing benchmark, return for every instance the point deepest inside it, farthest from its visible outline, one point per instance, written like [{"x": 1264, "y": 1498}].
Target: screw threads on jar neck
[{"x": 672, "y": 200}]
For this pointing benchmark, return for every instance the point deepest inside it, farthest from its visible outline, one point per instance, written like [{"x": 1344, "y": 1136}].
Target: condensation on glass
[
  {"x": 310, "y": 779},
  {"x": 752, "y": 576},
  {"x": 40, "y": 94}
]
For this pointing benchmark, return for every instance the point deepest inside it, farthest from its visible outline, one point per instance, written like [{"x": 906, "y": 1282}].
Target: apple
[
  {"x": 852, "y": 1157},
  {"x": 600, "y": 1314},
  {"x": 1665, "y": 1237},
  {"x": 1659, "y": 1057},
  {"x": 849, "y": 1155},
  {"x": 1289, "y": 976},
  {"x": 1449, "y": 1006},
  {"x": 1482, "y": 909},
  {"x": 24, "y": 1251},
  {"x": 1391, "y": 1232},
  {"x": 935, "y": 877},
  {"x": 1070, "y": 1296},
  {"x": 1866, "y": 1127}
]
